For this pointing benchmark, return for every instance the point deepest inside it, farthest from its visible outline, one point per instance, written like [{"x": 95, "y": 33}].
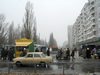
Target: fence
[{"x": 86, "y": 67}]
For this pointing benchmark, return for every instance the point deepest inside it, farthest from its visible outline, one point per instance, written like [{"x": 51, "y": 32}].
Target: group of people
[
  {"x": 7, "y": 54},
  {"x": 88, "y": 53},
  {"x": 66, "y": 54},
  {"x": 47, "y": 51}
]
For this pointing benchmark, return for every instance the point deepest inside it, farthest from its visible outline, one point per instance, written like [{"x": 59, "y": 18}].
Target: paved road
[{"x": 79, "y": 65}]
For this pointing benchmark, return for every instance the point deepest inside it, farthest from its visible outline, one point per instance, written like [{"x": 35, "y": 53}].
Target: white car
[{"x": 33, "y": 58}]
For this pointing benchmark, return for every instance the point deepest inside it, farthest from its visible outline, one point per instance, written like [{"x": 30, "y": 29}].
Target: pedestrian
[
  {"x": 88, "y": 53},
  {"x": 37, "y": 50},
  {"x": 48, "y": 52},
  {"x": 68, "y": 53},
  {"x": 5, "y": 54},
  {"x": 84, "y": 53},
  {"x": 73, "y": 54},
  {"x": 2, "y": 54},
  {"x": 10, "y": 54},
  {"x": 24, "y": 52},
  {"x": 60, "y": 53},
  {"x": 93, "y": 53}
]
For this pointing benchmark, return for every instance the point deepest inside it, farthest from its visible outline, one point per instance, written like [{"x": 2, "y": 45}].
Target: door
[
  {"x": 37, "y": 58},
  {"x": 28, "y": 59}
]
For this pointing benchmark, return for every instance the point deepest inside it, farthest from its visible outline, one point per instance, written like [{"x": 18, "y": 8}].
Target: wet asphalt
[{"x": 77, "y": 66}]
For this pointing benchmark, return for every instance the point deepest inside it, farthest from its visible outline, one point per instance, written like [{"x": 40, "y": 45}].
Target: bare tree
[
  {"x": 3, "y": 30},
  {"x": 22, "y": 32},
  {"x": 52, "y": 41},
  {"x": 17, "y": 32},
  {"x": 11, "y": 37},
  {"x": 28, "y": 21},
  {"x": 35, "y": 31},
  {"x": 38, "y": 39}
]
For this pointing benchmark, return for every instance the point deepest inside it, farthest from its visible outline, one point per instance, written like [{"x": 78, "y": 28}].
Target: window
[
  {"x": 94, "y": 32},
  {"x": 30, "y": 55},
  {"x": 92, "y": 9},
  {"x": 93, "y": 14},
  {"x": 93, "y": 20},
  {"x": 43, "y": 55},
  {"x": 93, "y": 26},
  {"x": 37, "y": 55}
]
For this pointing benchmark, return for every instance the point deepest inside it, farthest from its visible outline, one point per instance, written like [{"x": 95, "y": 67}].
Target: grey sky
[{"x": 51, "y": 15}]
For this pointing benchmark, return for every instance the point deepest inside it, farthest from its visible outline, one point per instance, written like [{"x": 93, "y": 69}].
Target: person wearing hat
[
  {"x": 24, "y": 52},
  {"x": 88, "y": 53}
]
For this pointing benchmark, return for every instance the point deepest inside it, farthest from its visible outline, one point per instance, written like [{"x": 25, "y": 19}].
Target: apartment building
[{"x": 86, "y": 29}]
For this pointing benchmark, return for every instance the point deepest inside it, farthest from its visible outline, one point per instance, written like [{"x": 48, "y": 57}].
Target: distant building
[
  {"x": 86, "y": 29},
  {"x": 65, "y": 44},
  {"x": 70, "y": 44}
]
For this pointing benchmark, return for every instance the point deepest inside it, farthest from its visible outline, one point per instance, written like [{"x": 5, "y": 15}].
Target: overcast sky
[{"x": 51, "y": 15}]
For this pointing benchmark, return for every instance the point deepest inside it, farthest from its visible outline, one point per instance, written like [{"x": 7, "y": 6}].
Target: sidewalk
[{"x": 90, "y": 74}]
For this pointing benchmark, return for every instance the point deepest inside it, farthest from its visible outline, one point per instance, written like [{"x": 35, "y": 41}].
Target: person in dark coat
[
  {"x": 73, "y": 54},
  {"x": 48, "y": 52},
  {"x": 10, "y": 54},
  {"x": 88, "y": 53},
  {"x": 37, "y": 50},
  {"x": 2, "y": 53},
  {"x": 5, "y": 54},
  {"x": 60, "y": 53},
  {"x": 68, "y": 53}
]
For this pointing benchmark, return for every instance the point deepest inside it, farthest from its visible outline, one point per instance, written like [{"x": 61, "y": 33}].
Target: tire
[
  {"x": 43, "y": 64},
  {"x": 18, "y": 64}
]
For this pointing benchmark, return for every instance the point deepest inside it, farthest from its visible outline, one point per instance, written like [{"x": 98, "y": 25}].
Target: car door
[
  {"x": 28, "y": 59},
  {"x": 37, "y": 58},
  {"x": 43, "y": 58}
]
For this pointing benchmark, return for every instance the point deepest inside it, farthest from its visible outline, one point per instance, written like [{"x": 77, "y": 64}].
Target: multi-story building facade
[{"x": 86, "y": 29}]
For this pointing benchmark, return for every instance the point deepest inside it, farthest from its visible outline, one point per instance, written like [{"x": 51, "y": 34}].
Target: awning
[{"x": 23, "y": 42}]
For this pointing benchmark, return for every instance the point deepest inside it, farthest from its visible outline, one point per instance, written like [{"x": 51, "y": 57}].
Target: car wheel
[
  {"x": 43, "y": 64},
  {"x": 18, "y": 64}
]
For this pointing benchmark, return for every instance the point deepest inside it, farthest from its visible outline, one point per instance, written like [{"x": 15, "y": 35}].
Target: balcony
[{"x": 91, "y": 35}]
